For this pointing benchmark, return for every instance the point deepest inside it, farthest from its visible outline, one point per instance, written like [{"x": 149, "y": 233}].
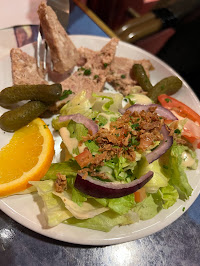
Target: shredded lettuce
[
  {"x": 54, "y": 209},
  {"x": 105, "y": 221},
  {"x": 158, "y": 180},
  {"x": 68, "y": 168},
  {"x": 166, "y": 197},
  {"x": 107, "y": 102},
  {"x": 146, "y": 209}
]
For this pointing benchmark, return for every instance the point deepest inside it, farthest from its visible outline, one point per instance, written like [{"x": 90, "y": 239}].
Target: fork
[{"x": 61, "y": 8}]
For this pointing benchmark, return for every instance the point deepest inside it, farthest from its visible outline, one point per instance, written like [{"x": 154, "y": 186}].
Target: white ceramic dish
[{"x": 25, "y": 209}]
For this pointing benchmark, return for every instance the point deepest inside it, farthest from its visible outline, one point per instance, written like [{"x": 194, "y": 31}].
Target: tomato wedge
[
  {"x": 191, "y": 130},
  {"x": 140, "y": 195},
  {"x": 178, "y": 107},
  {"x": 84, "y": 158}
]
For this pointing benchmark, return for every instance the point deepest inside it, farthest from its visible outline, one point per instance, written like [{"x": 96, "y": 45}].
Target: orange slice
[{"x": 26, "y": 157}]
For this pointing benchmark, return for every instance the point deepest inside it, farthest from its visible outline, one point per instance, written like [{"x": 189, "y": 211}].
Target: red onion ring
[
  {"x": 79, "y": 118},
  {"x": 101, "y": 189},
  {"x": 165, "y": 144},
  {"x": 161, "y": 111}
]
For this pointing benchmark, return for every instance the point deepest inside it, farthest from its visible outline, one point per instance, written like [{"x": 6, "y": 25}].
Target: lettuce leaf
[
  {"x": 158, "y": 180},
  {"x": 88, "y": 209},
  {"x": 107, "y": 102},
  {"x": 166, "y": 197},
  {"x": 146, "y": 209},
  {"x": 77, "y": 130},
  {"x": 104, "y": 221},
  {"x": 172, "y": 167},
  {"x": 122, "y": 205},
  {"x": 54, "y": 209},
  {"x": 78, "y": 104},
  {"x": 68, "y": 168}
]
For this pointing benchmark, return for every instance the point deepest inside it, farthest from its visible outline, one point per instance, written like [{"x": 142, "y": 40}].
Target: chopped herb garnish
[
  {"x": 96, "y": 76},
  {"x": 177, "y": 131},
  {"x": 123, "y": 76},
  {"x": 45, "y": 126},
  {"x": 168, "y": 100},
  {"x": 101, "y": 124},
  {"x": 105, "y": 65},
  {"x": 134, "y": 126},
  {"x": 117, "y": 135},
  {"x": 134, "y": 141},
  {"x": 65, "y": 94},
  {"x": 87, "y": 72},
  {"x": 183, "y": 209}
]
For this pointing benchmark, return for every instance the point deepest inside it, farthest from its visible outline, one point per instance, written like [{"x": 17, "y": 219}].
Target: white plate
[{"x": 25, "y": 209}]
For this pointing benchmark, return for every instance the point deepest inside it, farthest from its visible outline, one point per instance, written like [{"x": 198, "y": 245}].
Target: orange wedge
[{"x": 26, "y": 157}]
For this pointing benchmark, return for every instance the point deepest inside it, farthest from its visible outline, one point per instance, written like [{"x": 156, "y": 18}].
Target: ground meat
[
  {"x": 24, "y": 68},
  {"x": 129, "y": 133},
  {"x": 60, "y": 183},
  {"x": 63, "y": 52},
  {"x": 120, "y": 75}
]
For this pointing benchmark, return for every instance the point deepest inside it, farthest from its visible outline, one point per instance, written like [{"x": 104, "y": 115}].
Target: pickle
[
  {"x": 41, "y": 92},
  {"x": 141, "y": 77},
  {"x": 15, "y": 119},
  {"x": 169, "y": 86}
]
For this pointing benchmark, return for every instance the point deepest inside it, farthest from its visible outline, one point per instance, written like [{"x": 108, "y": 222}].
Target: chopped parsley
[
  {"x": 168, "y": 100},
  {"x": 123, "y": 76},
  {"x": 65, "y": 94},
  {"x": 134, "y": 141},
  {"x": 177, "y": 131},
  {"x": 96, "y": 76},
  {"x": 135, "y": 126},
  {"x": 87, "y": 72},
  {"x": 105, "y": 65},
  {"x": 183, "y": 209}
]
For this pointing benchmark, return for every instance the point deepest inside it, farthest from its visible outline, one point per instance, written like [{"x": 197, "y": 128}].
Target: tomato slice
[
  {"x": 179, "y": 107},
  {"x": 191, "y": 130},
  {"x": 84, "y": 158}
]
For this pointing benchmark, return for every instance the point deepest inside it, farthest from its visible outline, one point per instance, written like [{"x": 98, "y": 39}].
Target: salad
[{"x": 123, "y": 160}]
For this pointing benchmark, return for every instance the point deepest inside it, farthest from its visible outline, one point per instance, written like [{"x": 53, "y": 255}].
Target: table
[{"x": 177, "y": 244}]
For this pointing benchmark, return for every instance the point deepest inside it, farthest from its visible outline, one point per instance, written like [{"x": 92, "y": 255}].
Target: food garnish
[{"x": 26, "y": 157}]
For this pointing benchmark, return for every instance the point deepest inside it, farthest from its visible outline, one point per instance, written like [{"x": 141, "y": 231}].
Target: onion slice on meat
[
  {"x": 79, "y": 118},
  {"x": 165, "y": 144},
  {"x": 101, "y": 189},
  {"x": 161, "y": 111}
]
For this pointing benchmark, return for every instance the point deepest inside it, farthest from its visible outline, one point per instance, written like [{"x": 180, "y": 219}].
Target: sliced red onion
[
  {"x": 165, "y": 144},
  {"x": 101, "y": 189},
  {"x": 161, "y": 111},
  {"x": 79, "y": 118}
]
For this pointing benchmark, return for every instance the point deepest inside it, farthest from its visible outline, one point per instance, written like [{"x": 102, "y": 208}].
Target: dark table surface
[{"x": 177, "y": 244}]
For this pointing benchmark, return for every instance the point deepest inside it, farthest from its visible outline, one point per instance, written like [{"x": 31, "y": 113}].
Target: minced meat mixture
[{"x": 129, "y": 133}]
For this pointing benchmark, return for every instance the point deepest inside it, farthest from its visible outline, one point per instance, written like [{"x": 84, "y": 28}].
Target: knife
[{"x": 156, "y": 20}]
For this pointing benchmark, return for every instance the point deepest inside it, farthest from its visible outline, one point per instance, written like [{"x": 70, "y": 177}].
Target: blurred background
[{"x": 170, "y": 29}]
